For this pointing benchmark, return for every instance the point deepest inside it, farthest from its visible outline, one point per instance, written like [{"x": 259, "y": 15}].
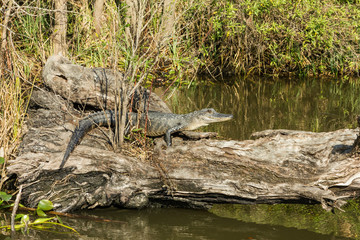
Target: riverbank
[{"x": 262, "y": 37}]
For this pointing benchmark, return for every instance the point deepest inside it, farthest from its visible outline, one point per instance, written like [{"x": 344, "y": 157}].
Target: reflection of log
[{"x": 279, "y": 166}]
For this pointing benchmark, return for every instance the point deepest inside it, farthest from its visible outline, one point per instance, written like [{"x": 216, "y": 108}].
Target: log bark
[
  {"x": 277, "y": 166},
  {"x": 93, "y": 87}
]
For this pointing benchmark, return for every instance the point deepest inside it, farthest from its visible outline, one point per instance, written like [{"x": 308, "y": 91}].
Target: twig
[
  {"x": 6, "y": 21},
  {"x": 16, "y": 205},
  {"x": 3, "y": 37}
]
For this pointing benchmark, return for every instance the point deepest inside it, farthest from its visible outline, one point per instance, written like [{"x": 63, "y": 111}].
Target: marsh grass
[
  {"x": 266, "y": 37},
  {"x": 278, "y": 37},
  {"x": 14, "y": 100}
]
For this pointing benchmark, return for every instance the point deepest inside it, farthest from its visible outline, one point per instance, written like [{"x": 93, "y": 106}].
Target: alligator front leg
[{"x": 168, "y": 133}]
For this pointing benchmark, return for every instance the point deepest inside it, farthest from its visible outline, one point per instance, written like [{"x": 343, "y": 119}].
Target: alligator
[{"x": 158, "y": 124}]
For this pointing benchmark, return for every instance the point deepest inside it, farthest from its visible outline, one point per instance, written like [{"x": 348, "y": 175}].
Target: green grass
[
  {"x": 278, "y": 37},
  {"x": 266, "y": 37}
]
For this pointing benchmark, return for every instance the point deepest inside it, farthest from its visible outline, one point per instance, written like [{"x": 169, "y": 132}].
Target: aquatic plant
[{"x": 24, "y": 222}]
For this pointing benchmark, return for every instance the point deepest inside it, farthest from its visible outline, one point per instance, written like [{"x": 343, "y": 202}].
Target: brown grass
[{"x": 13, "y": 101}]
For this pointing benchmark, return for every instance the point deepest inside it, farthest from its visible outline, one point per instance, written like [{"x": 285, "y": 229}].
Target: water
[
  {"x": 175, "y": 224},
  {"x": 310, "y": 105},
  {"x": 257, "y": 104}
]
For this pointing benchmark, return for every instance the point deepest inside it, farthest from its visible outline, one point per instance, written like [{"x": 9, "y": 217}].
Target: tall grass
[
  {"x": 13, "y": 101},
  {"x": 278, "y": 37},
  {"x": 266, "y": 37}
]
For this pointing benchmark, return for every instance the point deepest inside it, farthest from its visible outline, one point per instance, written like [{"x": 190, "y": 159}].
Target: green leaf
[
  {"x": 59, "y": 219},
  {"x": 25, "y": 218},
  {"x": 19, "y": 226},
  {"x": 42, "y": 220},
  {"x": 7, "y": 206},
  {"x": 4, "y": 196},
  {"x": 137, "y": 129},
  {"x": 62, "y": 225},
  {"x": 18, "y": 216},
  {"x": 40, "y": 213},
  {"x": 45, "y": 205},
  {"x": 2, "y": 160}
]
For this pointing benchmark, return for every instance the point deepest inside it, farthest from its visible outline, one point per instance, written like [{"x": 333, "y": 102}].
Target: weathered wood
[
  {"x": 277, "y": 167},
  {"x": 94, "y": 87}
]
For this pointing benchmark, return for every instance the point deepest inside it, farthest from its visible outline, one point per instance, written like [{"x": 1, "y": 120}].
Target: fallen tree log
[
  {"x": 278, "y": 166},
  {"x": 94, "y": 87}
]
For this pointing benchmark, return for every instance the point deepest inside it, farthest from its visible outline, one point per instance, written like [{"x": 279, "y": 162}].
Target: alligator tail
[{"x": 106, "y": 118}]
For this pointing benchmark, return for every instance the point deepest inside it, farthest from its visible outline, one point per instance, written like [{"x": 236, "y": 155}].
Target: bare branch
[
  {"x": 98, "y": 11},
  {"x": 59, "y": 35},
  {"x": 16, "y": 205},
  {"x": 4, "y": 36}
]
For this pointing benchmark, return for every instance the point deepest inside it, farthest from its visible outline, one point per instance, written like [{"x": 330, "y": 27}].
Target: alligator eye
[{"x": 209, "y": 110}]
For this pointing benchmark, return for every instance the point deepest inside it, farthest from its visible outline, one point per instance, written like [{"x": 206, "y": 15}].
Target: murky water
[
  {"x": 256, "y": 104},
  {"x": 153, "y": 224}
]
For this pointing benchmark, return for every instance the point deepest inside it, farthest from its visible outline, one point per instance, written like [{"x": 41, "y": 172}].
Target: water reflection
[
  {"x": 257, "y": 104},
  {"x": 314, "y": 218},
  {"x": 195, "y": 224},
  {"x": 164, "y": 224}
]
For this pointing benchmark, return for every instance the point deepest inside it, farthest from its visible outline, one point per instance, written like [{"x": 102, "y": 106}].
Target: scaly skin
[{"x": 158, "y": 124}]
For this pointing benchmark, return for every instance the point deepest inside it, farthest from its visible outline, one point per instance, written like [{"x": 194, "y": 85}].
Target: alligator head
[{"x": 204, "y": 117}]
